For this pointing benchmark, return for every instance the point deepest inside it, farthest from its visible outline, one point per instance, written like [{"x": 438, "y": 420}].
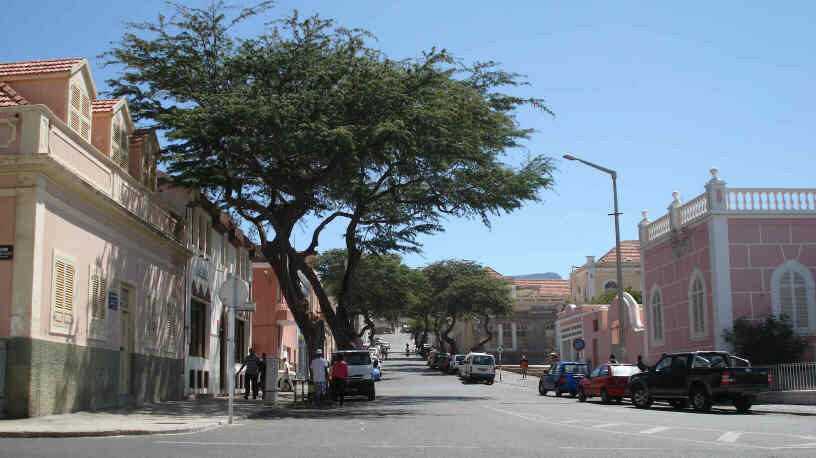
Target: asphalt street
[{"x": 422, "y": 413}]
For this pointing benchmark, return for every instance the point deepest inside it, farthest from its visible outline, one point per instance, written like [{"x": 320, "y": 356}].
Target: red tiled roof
[
  {"x": 547, "y": 287},
  {"x": 102, "y": 105},
  {"x": 492, "y": 272},
  {"x": 38, "y": 67},
  {"x": 9, "y": 97},
  {"x": 630, "y": 252}
]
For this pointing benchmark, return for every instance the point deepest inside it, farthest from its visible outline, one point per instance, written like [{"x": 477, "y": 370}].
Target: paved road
[{"x": 421, "y": 413}]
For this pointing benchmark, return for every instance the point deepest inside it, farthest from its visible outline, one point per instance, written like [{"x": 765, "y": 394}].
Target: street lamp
[{"x": 621, "y": 350}]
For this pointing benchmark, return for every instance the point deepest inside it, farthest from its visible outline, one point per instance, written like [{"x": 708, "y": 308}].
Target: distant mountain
[{"x": 544, "y": 276}]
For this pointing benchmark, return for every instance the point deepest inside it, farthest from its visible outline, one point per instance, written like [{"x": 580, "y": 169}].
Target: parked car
[
  {"x": 360, "y": 378},
  {"x": 431, "y": 355},
  {"x": 563, "y": 377},
  {"x": 438, "y": 360},
  {"x": 479, "y": 366},
  {"x": 443, "y": 362},
  {"x": 607, "y": 381},
  {"x": 455, "y": 363},
  {"x": 700, "y": 378}
]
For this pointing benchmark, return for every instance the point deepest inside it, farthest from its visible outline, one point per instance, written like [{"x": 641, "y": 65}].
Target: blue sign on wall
[{"x": 113, "y": 300}]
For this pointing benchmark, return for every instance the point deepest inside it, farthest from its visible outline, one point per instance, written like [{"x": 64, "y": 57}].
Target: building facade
[
  {"x": 596, "y": 278},
  {"x": 93, "y": 278},
  {"x": 728, "y": 253}
]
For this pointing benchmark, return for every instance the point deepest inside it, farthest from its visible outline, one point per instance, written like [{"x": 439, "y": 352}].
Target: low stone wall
[
  {"x": 806, "y": 397},
  {"x": 46, "y": 378},
  {"x": 535, "y": 370}
]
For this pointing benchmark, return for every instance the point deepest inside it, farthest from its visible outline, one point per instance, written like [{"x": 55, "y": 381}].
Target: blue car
[{"x": 563, "y": 377}]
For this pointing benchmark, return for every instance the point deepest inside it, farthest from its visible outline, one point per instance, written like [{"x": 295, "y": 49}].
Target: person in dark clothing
[
  {"x": 262, "y": 374},
  {"x": 641, "y": 365},
  {"x": 612, "y": 359},
  {"x": 253, "y": 365}
]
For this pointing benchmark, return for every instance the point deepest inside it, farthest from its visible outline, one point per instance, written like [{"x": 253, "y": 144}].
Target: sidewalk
[
  {"x": 514, "y": 381},
  {"x": 164, "y": 418}
]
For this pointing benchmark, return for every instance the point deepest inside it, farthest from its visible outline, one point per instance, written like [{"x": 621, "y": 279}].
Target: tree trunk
[
  {"x": 480, "y": 345},
  {"x": 446, "y": 337}
]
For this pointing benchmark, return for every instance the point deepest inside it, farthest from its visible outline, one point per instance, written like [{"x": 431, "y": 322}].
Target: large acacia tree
[{"x": 309, "y": 124}]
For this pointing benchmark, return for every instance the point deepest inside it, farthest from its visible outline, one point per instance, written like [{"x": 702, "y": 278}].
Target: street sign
[
  {"x": 233, "y": 291},
  {"x": 578, "y": 344},
  {"x": 500, "y": 349},
  {"x": 248, "y": 307}
]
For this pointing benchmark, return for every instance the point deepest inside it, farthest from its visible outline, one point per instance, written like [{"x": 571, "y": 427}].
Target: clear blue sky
[{"x": 660, "y": 92}]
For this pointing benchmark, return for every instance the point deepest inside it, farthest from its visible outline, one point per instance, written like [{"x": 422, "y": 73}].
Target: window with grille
[
  {"x": 79, "y": 112},
  {"x": 793, "y": 299},
  {"x": 656, "y": 307},
  {"x": 98, "y": 288},
  {"x": 151, "y": 322},
  {"x": 697, "y": 304},
  {"x": 172, "y": 322},
  {"x": 119, "y": 144},
  {"x": 62, "y": 312}
]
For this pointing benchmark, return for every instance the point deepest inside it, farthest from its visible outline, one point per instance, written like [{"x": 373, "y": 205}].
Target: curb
[{"x": 119, "y": 432}]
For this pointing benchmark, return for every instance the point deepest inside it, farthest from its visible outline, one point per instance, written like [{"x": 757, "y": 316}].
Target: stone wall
[{"x": 46, "y": 378}]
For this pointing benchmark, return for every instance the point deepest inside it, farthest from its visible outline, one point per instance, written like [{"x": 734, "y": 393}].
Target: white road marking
[
  {"x": 656, "y": 429},
  {"x": 730, "y": 436},
  {"x": 567, "y": 422},
  {"x": 606, "y": 425},
  {"x": 606, "y": 448},
  {"x": 423, "y": 446},
  {"x": 237, "y": 444}
]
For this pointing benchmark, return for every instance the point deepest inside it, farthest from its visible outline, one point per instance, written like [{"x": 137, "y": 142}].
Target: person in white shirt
[
  {"x": 319, "y": 369},
  {"x": 285, "y": 380}
]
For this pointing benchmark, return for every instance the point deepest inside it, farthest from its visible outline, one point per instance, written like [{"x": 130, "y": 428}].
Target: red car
[{"x": 607, "y": 381}]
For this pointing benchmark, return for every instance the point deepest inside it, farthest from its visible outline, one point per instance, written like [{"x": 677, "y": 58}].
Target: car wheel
[
  {"x": 581, "y": 396},
  {"x": 371, "y": 393},
  {"x": 573, "y": 394},
  {"x": 605, "y": 396},
  {"x": 679, "y": 405},
  {"x": 641, "y": 398},
  {"x": 541, "y": 390},
  {"x": 743, "y": 405},
  {"x": 490, "y": 381},
  {"x": 558, "y": 392},
  {"x": 700, "y": 400}
]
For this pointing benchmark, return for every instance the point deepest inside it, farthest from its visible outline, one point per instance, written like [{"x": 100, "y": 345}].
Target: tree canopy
[
  {"x": 307, "y": 122},
  {"x": 768, "y": 341}
]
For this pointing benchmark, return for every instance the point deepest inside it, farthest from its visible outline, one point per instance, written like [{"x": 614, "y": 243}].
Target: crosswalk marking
[
  {"x": 729, "y": 436},
  {"x": 656, "y": 429},
  {"x": 606, "y": 425}
]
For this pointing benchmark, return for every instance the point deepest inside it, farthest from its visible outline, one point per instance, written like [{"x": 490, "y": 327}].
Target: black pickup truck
[{"x": 700, "y": 378}]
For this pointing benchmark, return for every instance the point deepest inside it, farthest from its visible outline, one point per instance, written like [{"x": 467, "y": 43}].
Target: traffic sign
[
  {"x": 233, "y": 291},
  {"x": 500, "y": 349},
  {"x": 578, "y": 344}
]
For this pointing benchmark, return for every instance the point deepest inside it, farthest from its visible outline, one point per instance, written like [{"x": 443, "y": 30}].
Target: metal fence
[{"x": 793, "y": 377}]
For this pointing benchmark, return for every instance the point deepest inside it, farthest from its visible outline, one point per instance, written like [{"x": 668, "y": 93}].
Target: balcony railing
[{"x": 771, "y": 200}]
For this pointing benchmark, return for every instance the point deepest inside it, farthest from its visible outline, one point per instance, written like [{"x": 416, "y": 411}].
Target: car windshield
[
  {"x": 357, "y": 359},
  {"x": 624, "y": 371},
  {"x": 483, "y": 360},
  {"x": 575, "y": 368}
]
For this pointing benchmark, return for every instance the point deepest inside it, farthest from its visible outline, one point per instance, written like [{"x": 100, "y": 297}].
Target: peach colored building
[
  {"x": 595, "y": 278},
  {"x": 725, "y": 254},
  {"x": 97, "y": 262}
]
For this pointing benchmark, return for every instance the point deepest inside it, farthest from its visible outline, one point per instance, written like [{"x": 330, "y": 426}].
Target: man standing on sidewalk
[
  {"x": 253, "y": 365},
  {"x": 524, "y": 366},
  {"x": 339, "y": 375},
  {"x": 319, "y": 369}
]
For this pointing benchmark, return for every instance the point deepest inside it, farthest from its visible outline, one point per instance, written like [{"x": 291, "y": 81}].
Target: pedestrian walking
[
  {"x": 285, "y": 377},
  {"x": 407, "y": 350},
  {"x": 253, "y": 365},
  {"x": 612, "y": 359},
  {"x": 319, "y": 369},
  {"x": 339, "y": 375},
  {"x": 641, "y": 365},
  {"x": 524, "y": 366}
]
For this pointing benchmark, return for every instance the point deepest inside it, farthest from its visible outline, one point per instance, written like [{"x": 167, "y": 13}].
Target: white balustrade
[
  {"x": 694, "y": 209},
  {"x": 769, "y": 200},
  {"x": 659, "y": 227}
]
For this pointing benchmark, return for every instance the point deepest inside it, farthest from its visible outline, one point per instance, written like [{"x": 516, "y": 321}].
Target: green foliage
[
  {"x": 610, "y": 295},
  {"x": 308, "y": 122},
  {"x": 768, "y": 341}
]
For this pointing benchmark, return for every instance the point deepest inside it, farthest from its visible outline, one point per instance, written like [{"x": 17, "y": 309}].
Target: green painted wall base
[{"x": 44, "y": 378}]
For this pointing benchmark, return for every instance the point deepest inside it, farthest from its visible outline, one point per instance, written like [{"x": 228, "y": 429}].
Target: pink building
[
  {"x": 725, "y": 254},
  {"x": 598, "y": 326}
]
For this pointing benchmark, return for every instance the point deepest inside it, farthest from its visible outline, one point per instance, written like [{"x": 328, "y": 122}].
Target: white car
[
  {"x": 479, "y": 366},
  {"x": 456, "y": 363}
]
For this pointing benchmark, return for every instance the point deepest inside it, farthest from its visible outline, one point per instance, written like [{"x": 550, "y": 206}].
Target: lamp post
[{"x": 621, "y": 350}]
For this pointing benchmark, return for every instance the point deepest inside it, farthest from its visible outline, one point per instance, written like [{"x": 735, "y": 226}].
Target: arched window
[
  {"x": 698, "y": 317},
  {"x": 793, "y": 298},
  {"x": 610, "y": 284},
  {"x": 656, "y": 315}
]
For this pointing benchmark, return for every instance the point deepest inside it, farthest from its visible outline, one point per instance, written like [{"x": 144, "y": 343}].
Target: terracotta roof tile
[
  {"x": 102, "y": 105},
  {"x": 547, "y": 287},
  {"x": 38, "y": 67},
  {"x": 9, "y": 97},
  {"x": 630, "y": 252},
  {"x": 492, "y": 272}
]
